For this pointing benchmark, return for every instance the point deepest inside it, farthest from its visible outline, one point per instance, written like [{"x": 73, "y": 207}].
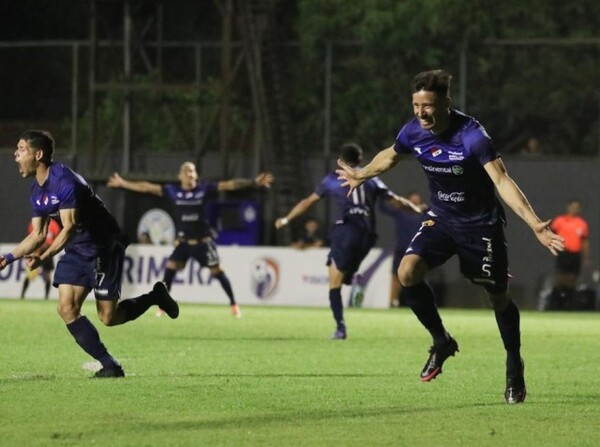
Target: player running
[
  {"x": 466, "y": 218},
  {"x": 94, "y": 249}
]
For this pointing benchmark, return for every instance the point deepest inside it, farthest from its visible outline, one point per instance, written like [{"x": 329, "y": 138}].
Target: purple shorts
[
  {"x": 103, "y": 273},
  {"x": 482, "y": 251}
]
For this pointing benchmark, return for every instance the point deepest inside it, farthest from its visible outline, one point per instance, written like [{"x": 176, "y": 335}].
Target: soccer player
[
  {"x": 94, "y": 249},
  {"x": 47, "y": 267},
  {"x": 194, "y": 234},
  {"x": 353, "y": 234},
  {"x": 465, "y": 218}
]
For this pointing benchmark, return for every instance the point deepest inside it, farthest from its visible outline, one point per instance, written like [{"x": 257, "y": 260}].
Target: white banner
[{"x": 259, "y": 276}]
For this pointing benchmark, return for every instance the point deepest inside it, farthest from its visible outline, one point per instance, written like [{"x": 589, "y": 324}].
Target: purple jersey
[
  {"x": 65, "y": 189},
  {"x": 190, "y": 216},
  {"x": 359, "y": 207},
  {"x": 461, "y": 190}
]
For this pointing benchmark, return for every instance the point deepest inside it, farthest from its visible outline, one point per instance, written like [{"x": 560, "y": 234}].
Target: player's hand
[
  {"x": 348, "y": 175},
  {"x": 115, "y": 181},
  {"x": 281, "y": 222},
  {"x": 32, "y": 261},
  {"x": 264, "y": 179},
  {"x": 548, "y": 238}
]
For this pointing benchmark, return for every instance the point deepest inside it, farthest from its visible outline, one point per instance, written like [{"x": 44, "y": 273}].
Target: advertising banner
[{"x": 278, "y": 276}]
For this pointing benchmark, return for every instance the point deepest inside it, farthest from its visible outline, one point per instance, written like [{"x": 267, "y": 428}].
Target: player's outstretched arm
[
  {"x": 516, "y": 200},
  {"x": 404, "y": 204},
  {"x": 264, "y": 179},
  {"x": 116, "y": 181},
  {"x": 353, "y": 177},
  {"x": 300, "y": 208}
]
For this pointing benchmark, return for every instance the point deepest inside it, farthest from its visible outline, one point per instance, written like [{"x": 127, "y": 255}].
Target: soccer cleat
[
  {"x": 437, "y": 357},
  {"x": 235, "y": 311},
  {"x": 515, "y": 386},
  {"x": 164, "y": 300},
  {"x": 112, "y": 372},
  {"x": 339, "y": 334}
]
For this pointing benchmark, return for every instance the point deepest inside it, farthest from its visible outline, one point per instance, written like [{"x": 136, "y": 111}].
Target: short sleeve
[
  {"x": 324, "y": 187},
  {"x": 67, "y": 196},
  {"x": 481, "y": 146},
  {"x": 402, "y": 144}
]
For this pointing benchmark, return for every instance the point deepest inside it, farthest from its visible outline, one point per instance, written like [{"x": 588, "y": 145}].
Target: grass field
[{"x": 272, "y": 378}]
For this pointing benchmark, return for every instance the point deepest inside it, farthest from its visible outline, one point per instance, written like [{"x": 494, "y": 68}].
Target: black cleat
[
  {"x": 437, "y": 357},
  {"x": 516, "y": 391},
  {"x": 112, "y": 372},
  {"x": 164, "y": 300}
]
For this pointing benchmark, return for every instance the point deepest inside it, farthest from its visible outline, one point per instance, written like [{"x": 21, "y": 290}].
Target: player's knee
[
  {"x": 409, "y": 276},
  {"x": 499, "y": 300},
  {"x": 107, "y": 318},
  {"x": 67, "y": 312}
]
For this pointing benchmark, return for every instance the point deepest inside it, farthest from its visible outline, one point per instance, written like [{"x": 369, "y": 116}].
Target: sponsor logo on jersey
[
  {"x": 418, "y": 150},
  {"x": 454, "y": 197},
  {"x": 455, "y": 156},
  {"x": 440, "y": 169}
]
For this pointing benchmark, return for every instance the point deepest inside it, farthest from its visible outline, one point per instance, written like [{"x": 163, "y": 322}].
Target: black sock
[
  {"x": 134, "y": 307},
  {"x": 421, "y": 300},
  {"x": 509, "y": 325},
  {"x": 222, "y": 278},
  {"x": 335, "y": 302},
  {"x": 47, "y": 289},
  {"x": 168, "y": 278},
  {"x": 86, "y": 336},
  {"x": 25, "y": 286}
]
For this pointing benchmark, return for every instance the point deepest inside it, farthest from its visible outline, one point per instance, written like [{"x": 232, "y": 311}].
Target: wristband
[
  {"x": 284, "y": 221},
  {"x": 9, "y": 257}
]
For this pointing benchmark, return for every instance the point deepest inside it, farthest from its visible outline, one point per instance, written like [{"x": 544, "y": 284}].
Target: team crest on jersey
[
  {"x": 435, "y": 151},
  {"x": 457, "y": 170}
]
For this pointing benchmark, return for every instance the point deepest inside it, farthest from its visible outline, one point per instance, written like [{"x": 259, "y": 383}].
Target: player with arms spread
[
  {"x": 194, "y": 234},
  {"x": 465, "y": 218},
  {"x": 94, "y": 249},
  {"x": 353, "y": 234}
]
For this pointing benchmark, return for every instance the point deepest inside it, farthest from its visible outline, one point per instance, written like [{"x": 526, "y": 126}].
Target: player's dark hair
[
  {"x": 437, "y": 81},
  {"x": 41, "y": 140},
  {"x": 351, "y": 153}
]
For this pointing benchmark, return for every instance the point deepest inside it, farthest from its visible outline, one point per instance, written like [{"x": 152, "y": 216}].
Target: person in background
[
  {"x": 406, "y": 224},
  {"x": 311, "y": 235},
  {"x": 574, "y": 230},
  {"x": 532, "y": 148},
  {"x": 353, "y": 234},
  {"x": 465, "y": 218},
  {"x": 94, "y": 249},
  {"x": 144, "y": 238},
  {"x": 45, "y": 270},
  {"x": 195, "y": 238}
]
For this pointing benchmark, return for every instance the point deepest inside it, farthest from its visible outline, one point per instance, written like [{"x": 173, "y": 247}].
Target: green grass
[{"x": 272, "y": 378}]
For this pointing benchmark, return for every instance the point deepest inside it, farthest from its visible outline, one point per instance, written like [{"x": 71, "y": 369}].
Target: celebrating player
[
  {"x": 194, "y": 235},
  {"x": 353, "y": 234},
  {"x": 94, "y": 249},
  {"x": 465, "y": 218}
]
